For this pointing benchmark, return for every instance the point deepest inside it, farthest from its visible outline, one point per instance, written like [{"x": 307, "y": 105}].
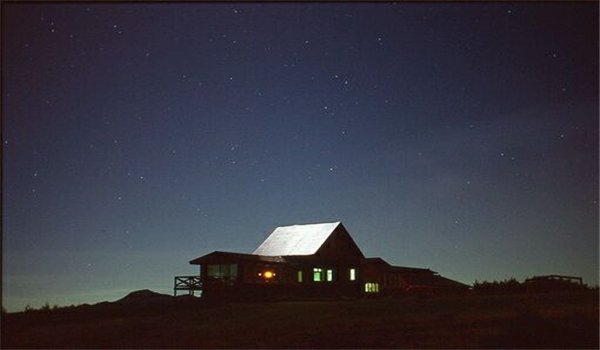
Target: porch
[{"x": 187, "y": 283}]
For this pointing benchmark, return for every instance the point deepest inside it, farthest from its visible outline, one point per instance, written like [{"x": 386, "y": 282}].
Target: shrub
[{"x": 509, "y": 286}]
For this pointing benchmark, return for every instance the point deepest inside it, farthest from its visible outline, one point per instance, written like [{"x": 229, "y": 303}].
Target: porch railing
[{"x": 187, "y": 283}]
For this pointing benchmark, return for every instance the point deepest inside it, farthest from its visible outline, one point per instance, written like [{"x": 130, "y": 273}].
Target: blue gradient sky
[{"x": 460, "y": 137}]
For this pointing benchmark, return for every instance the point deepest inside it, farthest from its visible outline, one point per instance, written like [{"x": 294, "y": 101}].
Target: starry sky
[{"x": 462, "y": 137}]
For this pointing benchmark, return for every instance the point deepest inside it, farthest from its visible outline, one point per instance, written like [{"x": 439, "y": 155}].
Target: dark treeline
[{"x": 512, "y": 286}]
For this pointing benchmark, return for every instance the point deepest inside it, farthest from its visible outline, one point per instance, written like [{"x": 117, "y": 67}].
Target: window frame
[
  {"x": 317, "y": 271},
  {"x": 329, "y": 275},
  {"x": 371, "y": 287}
]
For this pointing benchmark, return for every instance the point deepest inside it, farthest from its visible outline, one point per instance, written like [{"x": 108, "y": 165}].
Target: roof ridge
[{"x": 315, "y": 223}]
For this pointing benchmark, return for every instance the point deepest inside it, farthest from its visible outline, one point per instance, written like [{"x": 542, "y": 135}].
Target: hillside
[{"x": 149, "y": 320}]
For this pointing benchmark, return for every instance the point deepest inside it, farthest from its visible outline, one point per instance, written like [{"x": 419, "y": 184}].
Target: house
[{"x": 308, "y": 260}]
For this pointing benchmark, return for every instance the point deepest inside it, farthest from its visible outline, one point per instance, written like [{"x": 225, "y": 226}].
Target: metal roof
[{"x": 296, "y": 239}]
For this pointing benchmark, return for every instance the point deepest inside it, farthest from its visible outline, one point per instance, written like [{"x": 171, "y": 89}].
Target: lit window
[
  {"x": 300, "y": 276},
  {"x": 317, "y": 274},
  {"x": 329, "y": 275},
  {"x": 352, "y": 274},
  {"x": 371, "y": 287},
  {"x": 223, "y": 271}
]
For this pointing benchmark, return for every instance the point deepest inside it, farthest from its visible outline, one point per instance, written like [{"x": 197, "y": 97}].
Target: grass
[{"x": 512, "y": 321}]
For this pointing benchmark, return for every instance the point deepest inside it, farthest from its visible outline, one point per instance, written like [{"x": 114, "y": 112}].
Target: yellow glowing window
[
  {"x": 300, "y": 276},
  {"x": 317, "y": 274},
  {"x": 352, "y": 274},
  {"x": 371, "y": 287},
  {"x": 329, "y": 275}
]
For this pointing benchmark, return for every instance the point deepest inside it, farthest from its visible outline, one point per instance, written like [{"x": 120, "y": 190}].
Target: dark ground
[{"x": 146, "y": 320}]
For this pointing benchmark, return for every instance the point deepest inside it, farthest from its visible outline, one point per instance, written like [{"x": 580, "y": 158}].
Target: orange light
[{"x": 268, "y": 274}]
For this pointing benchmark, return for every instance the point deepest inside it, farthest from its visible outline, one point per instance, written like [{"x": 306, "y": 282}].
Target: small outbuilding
[{"x": 312, "y": 260}]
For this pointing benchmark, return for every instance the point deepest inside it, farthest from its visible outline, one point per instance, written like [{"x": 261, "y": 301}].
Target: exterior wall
[
  {"x": 393, "y": 283},
  {"x": 372, "y": 276},
  {"x": 252, "y": 273},
  {"x": 284, "y": 283},
  {"x": 372, "y": 279}
]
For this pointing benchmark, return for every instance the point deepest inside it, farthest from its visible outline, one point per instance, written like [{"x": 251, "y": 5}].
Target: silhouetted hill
[{"x": 145, "y": 296}]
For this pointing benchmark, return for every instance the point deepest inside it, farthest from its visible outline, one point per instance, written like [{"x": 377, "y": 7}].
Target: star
[{"x": 407, "y": 135}]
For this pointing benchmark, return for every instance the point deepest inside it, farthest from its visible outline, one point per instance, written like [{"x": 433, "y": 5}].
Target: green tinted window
[{"x": 317, "y": 274}]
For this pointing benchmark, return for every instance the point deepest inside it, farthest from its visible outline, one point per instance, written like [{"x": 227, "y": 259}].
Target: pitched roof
[
  {"x": 229, "y": 256},
  {"x": 431, "y": 280},
  {"x": 376, "y": 261},
  {"x": 296, "y": 239}
]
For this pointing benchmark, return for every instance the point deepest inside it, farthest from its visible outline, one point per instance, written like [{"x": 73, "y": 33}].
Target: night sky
[{"x": 461, "y": 137}]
